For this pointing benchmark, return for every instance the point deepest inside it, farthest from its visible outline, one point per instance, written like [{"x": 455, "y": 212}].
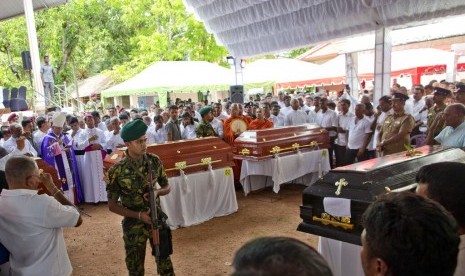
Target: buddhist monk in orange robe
[
  {"x": 260, "y": 122},
  {"x": 230, "y": 136},
  {"x": 236, "y": 114}
]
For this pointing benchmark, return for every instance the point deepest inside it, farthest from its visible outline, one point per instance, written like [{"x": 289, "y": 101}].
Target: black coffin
[{"x": 365, "y": 181}]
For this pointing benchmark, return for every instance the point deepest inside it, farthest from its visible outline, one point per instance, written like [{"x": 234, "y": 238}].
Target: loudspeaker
[
  {"x": 26, "y": 56},
  {"x": 237, "y": 93}
]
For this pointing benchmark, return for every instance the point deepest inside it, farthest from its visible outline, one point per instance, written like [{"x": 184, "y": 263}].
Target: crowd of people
[{"x": 76, "y": 144}]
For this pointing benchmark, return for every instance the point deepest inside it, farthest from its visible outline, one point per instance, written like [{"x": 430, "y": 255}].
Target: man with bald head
[
  {"x": 236, "y": 114},
  {"x": 453, "y": 135}
]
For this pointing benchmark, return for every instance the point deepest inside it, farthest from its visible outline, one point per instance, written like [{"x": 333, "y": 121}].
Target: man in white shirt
[
  {"x": 218, "y": 112},
  {"x": 343, "y": 119},
  {"x": 276, "y": 117},
  {"x": 32, "y": 224},
  {"x": 385, "y": 105},
  {"x": 39, "y": 135},
  {"x": 453, "y": 135},
  {"x": 10, "y": 145},
  {"x": 281, "y": 95},
  {"x": 287, "y": 105},
  {"x": 308, "y": 104},
  {"x": 98, "y": 122},
  {"x": 158, "y": 134},
  {"x": 359, "y": 136},
  {"x": 327, "y": 119},
  {"x": 295, "y": 116},
  {"x": 417, "y": 104},
  {"x": 114, "y": 139}
]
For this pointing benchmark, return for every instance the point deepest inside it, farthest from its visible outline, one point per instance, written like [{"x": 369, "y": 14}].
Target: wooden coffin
[
  {"x": 265, "y": 143},
  {"x": 187, "y": 155},
  {"x": 361, "y": 184},
  {"x": 47, "y": 168}
]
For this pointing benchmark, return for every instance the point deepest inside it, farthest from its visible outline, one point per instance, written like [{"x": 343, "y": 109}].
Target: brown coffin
[
  {"x": 189, "y": 155},
  {"x": 47, "y": 168},
  {"x": 265, "y": 143}
]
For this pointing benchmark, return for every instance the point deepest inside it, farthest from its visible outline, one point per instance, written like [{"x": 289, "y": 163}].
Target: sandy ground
[{"x": 96, "y": 247}]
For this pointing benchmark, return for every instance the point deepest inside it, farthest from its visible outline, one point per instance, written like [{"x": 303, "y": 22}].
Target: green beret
[
  {"x": 205, "y": 110},
  {"x": 133, "y": 130}
]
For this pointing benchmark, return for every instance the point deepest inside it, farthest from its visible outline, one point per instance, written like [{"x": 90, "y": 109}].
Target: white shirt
[
  {"x": 286, "y": 109},
  {"x": 379, "y": 125},
  {"x": 451, "y": 137},
  {"x": 114, "y": 140},
  {"x": 278, "y": 121},
  {"x": 370, "y": 145},
  {"x": 416, "y": 107},
  {"x": 217, "y": 127},
  {"x": 295, "y": 118},
  {"x": 358, "y": 129},
  {"x": 188, "y": 132},
  {"x": 311, "y": 117},
  {"x": 343, "y": 122},
  {"x": 102, "y": 126},
  {"x": 32, "y": 232},
  {"x": 157, "y": 136},
  {"x": 327, "y": 119},
  {"x": 38, "y": 137},
  {"x": 10, "y": 146},
  {"x": 223, "y": 116}
]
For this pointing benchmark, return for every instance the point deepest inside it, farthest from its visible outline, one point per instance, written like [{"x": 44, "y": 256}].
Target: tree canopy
[{"x": 117, "y": 37}]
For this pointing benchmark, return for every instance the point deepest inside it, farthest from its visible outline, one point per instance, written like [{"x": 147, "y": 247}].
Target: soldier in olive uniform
[
  {"x": 396, "y": 129},
  {"x": 436, "y": 120},
  {"x": 128, "y": 182},
  {"x": 93, "y": 104},
  {"x": 205, "y": 129}
]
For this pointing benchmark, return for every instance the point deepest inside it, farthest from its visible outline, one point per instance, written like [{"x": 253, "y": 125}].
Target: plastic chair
[
  {"x": 22, "y": 92},
  {"x": 18, "y": 104},
  {"x": 6, "y": 97},
  {"x": 14, "y": 93},
  {"x": 418, "y": 140}
]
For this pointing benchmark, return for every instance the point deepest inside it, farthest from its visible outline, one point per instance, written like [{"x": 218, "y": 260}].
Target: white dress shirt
[
  {"x": 358, "y": 129},
  {"x": 10, "y": 146},
  {"x": 295, "y": 118},
  {"x": 286, "y": 109},
  {"x": 327, "y": 119},
  {"x": 114, "y": 140},
  {"x": 32, "y": 232},
  {"x": 278, "y": 121},
  {"x": 157, "y": 136},
  {"x": 343, "y": 121},
  {"x": 416, "y": 107},
  {"x": 38, "y": 137},
  {"x": 188, "y": 132},
  {"x": 217, "y": 127}
]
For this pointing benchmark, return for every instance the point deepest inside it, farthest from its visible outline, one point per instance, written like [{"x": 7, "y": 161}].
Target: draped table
[
  {"x": 302, "y": 167},
  {"x": 198, "y": 197}
]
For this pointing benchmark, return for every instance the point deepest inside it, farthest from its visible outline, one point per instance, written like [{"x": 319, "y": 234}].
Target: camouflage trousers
[{"x": 135, "y": 236}]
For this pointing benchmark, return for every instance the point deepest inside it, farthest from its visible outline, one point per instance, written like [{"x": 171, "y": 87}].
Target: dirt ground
[{"x": 96, "y": 247}]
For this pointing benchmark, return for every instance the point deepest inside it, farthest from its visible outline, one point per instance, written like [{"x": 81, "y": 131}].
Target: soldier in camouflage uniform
[
  {"x": 93, "y": 104},
  {"x": 127, "y": 181},
  {"x": 205, "y": 129}
]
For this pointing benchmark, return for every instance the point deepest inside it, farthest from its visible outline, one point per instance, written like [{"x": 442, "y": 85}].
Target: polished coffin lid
[
  {"x": 189, "y": 155},
  {"x": 265, "y": 143},
  {"x": 47, "y": 168},
  {"x": 361, "y": 183}
]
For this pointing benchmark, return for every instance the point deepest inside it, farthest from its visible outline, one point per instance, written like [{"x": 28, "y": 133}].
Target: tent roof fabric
[
  {"x": 254, "y": 27},
  {"x": 93, "y": 84},
  {"x": 12, "y": 8},
  {"x": 277, "y": 70},
  {"x": 178, "y": 76}
]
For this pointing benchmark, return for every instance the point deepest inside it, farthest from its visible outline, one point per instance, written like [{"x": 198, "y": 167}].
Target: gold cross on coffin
[{"x": 342, "y": 182}]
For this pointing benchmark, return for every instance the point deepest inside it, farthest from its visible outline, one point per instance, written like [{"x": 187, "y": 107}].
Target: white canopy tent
[
  {"x": 254, "y": 27},
  {"x": 277, "y": 70}
]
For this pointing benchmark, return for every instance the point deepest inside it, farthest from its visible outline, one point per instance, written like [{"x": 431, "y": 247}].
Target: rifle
[{"x": 154, "y": 213}]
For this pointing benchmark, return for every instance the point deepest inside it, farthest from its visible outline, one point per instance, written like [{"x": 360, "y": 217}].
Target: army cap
[
  {"x": 133, "y": 130},
  {"x": 205, "y": 110},
  {"x": 399, "y": 96},
  {"x": 439, "y": 91}
]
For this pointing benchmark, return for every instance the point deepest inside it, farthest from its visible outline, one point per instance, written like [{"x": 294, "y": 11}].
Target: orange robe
[
  {"x": 260, "y": 124},
  {"x": 229, "y": 135}
]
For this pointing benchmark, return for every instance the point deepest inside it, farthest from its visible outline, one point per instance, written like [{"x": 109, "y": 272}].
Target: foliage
[{"x": 119, "y": 37}]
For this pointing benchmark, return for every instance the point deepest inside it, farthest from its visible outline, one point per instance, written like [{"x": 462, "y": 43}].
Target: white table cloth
[
  {"x": 343, "y": 258},
  {"x": 198, "y": 197},
  {"x": 303, "y": 167}
]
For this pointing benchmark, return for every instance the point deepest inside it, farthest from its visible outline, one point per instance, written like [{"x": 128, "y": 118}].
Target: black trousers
[
  {"x": 351, "y": 156},
  {"x": 340, "y": 155}
]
